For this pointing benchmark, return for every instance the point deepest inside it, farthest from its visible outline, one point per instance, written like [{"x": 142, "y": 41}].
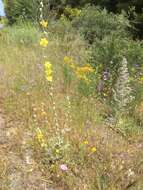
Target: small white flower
[
  {"x": 130, "y": 173},
  {"x": 41, "y": 3}
]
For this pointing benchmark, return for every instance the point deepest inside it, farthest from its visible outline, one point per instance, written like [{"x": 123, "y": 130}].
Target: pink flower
[{"x": 63, "y": 167}]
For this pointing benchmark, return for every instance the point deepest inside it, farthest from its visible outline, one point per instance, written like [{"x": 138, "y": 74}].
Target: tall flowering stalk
[
  {"x": 48, "y": 68},
  {"x": 41, "y": 9},
  {"x": 123, "y": 91},
  {"x": 43, "y": 22}
]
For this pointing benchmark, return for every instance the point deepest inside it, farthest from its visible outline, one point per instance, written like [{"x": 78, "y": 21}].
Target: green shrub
[
  {"x": 106, "y": 56},
  {"x": 19, "y": 9},
  {"x": 30, "y": 9},
  {"x": 61, "y": 28},
  {"x": 95, "y": 23}
]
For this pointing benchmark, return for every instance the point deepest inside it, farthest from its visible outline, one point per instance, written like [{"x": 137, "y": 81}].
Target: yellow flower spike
[
  {"x": 44, "y": 42},
  {"x": 93, "y": 149},
  {"x": 44, "y": 24},
  {"x": 49, "y": 78},
  {"x": 48, "y": 65},
  {"x": 48, "y": 71}
]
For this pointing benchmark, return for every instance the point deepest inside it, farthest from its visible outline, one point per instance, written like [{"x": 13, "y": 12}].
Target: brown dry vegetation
[{"x": 117, "y": 163}]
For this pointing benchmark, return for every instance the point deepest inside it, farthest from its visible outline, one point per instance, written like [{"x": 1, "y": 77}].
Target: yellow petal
[
  {"x": 44, "y": 23},
  {"x": 49, "y": 78},
  {"x": 93, "y": 149}
]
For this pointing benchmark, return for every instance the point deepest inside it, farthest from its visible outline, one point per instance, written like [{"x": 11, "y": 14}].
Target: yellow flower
[
  {"x": 48, "y": 67},
  {"x": 44, "y": 23},
  {"x": 93, "y": 149},
  {"x": 82, "y": 76},
  {"x": 85, "y": 69},
  {"x": 141, "y": 78},
  {"x": 82, "y": 72},
  {"x": 40, "y": 137},
  {"x": 86, "y": 142},
  {"x": 44, "y": 42},
  {"x": 43, "y": 113},
  {"x": 48, "y": 71},
  {"x": 67, "y": 60},
  {"x": 57, "y": 151},
  {"x": 49, "y": 78}
]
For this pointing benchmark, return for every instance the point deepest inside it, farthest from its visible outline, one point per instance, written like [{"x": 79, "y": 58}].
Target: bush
[
  {"x": 106, "y": 56},
  {"x": 29, "y": 9},
  {"x": 94, "y": 23},
  {"x": 19, "y": 9}
]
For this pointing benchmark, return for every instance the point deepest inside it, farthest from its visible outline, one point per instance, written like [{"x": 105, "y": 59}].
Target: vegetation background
[
  {"x": 71, "y": 81},
  {"x": 27, "y": 9}
]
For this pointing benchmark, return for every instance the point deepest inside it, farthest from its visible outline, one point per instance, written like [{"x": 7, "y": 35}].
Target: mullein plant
[
  {"x": 122, "y": 94},
  {"x": 55, "y": 146},
  {"x": 48, "y": 71}
]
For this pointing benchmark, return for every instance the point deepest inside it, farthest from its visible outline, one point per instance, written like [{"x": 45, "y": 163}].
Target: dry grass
[{"x": 115, "y": 165}]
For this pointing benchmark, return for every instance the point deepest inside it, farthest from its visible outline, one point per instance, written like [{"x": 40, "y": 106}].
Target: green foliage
[
  {"x": 25, "y": 9},
  {"x": 29, "y": 9},
  {"x": 62, "y": 3},
  {"x": 28, "y": 101},
  {"x": 23, "y": 33},
  {"x": 86, "y": 89},
  {"x": 134, "y": 9},
  {"x": 67, "y": 76},
  {"x": 106, "y": 56},
  {"x": 55, "y": 150},
  {"x": 62, "y": 28},
  {"x": 128, "y": 126},
  {"x": 95, "y": 23},
  {"x": 136, "y": 14},
  {"x": 19, "y": 9}
]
